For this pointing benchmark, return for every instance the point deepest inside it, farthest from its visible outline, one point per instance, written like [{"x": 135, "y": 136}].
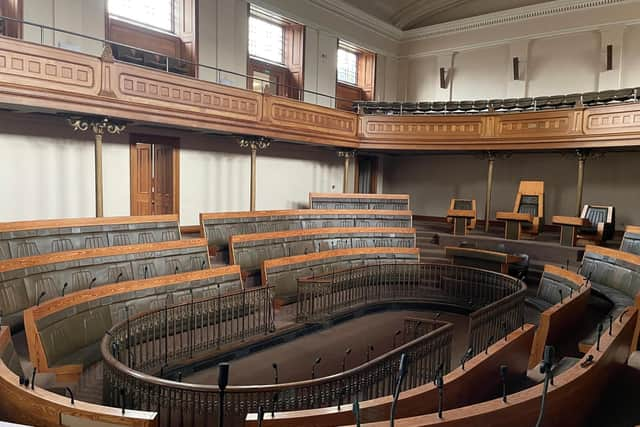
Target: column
[
  {"x": 487, "y": 211},
  {"x": 347, "y": 156},
  {"x": 99, "y": 127},
  {"x": 254, "y": 143},
  {"x": 582, "y": 157}
]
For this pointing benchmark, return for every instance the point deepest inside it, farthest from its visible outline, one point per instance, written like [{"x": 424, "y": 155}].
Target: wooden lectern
[{"x": 528, "y": 211}]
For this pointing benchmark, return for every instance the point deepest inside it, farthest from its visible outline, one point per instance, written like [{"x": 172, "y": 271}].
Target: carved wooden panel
[
  {"x": 25, "y": 64},
  {"x": 619, "y": 119},
  {"x": 535, "y": 125},
  {"x": 422, "y": 128},
  {"x": 307, "y": 117},
  {"x": 134, "y": 82}
]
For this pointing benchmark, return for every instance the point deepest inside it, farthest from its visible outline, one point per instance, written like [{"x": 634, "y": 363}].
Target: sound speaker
[
  {"x": 516, "y": 68},
  {"x": 443, "y": 78}
]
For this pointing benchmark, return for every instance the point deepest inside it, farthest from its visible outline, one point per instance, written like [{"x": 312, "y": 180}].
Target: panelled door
[{"x": 154, "y": 175}]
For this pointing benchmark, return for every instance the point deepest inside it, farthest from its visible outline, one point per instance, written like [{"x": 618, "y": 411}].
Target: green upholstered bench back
[
  {"x": 529, "y": 205},
  {"x": 372, "y": 201},
  {"x": 604, "y": 268},
  {"x": 249, "y": 254},
  {"x": 9, "y": 356},
  {"x": 20, "y": 287},
  {"x": 218, "y": 227},
  {"x": 30, "y": 238},
  {"x": 550, "y": 286},
  {"x": 631, "y": 242},
  {"x": 77, "y": 327}
]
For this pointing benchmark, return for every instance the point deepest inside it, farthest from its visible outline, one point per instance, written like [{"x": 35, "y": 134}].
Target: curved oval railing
[
  {"x": 494, "y": 301},
  {"x": 152, "y": 340}
]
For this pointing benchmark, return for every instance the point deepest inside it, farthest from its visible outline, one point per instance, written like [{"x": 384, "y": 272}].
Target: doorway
[
  {"x": 366, "y": 175},
  {"x": 155, "y": 174}
]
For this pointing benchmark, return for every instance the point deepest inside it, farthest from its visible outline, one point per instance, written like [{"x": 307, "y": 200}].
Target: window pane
[
  {"x": 153, "y": 13},
  {"x": 347, "y": 66},
  {"x": 265, "y": 40}
]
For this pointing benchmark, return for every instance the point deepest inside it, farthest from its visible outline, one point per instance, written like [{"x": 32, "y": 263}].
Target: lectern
[
  {"x": 528, "y": 211},
  {"x": 514, "y": 221},
  {"x": 462, "y": 213}
]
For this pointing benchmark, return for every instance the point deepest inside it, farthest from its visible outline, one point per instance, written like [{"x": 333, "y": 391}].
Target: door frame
[
  {"x": 175, "y": 165},
  {"x": 373, "y": 189}
]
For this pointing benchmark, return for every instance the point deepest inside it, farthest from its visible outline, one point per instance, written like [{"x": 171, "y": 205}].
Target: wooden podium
[
  {"x": 569, "y": 228},
  {"x": 513, "y": 226},
  {"x": 461, "y": 220}
]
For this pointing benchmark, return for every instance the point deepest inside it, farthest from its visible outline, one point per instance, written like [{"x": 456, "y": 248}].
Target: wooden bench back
[
  {"x": 249, "y": 250},
  {"x": 283, "y": 273},
  {"x": 61, "y": 326},
  {"x": 28, "y": 238},
  {"x": 22, "y": 280},
  {"x": 392, "y": 202},
  {"x": 219, "y": 227},
  {"x": 20, "y": 404}
]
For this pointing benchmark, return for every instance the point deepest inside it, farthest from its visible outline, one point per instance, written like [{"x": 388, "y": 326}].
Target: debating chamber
[{"x": 290, "y": 213}]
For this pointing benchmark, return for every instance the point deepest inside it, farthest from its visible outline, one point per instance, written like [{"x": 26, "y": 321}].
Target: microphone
[
  {"x": 92, "y": 282},
  {"x": 223, "y": 380},
  {"x": 587, "y": 362},
  {"x": 203, "y": 264},
  {"x": 505, "y": 330},
  {"x": 274, "y": 400},
  {"x": 42, "y": 294},
  {"x": 122, "y": 397},
  {"x": 440, "y": 385},
  {"x": 33, "y": 378},
  {"x": 313, "y": 368},
  {"x": 600, "y": 327},
  {"x": 610, "y": 324},
  {"x": 402, "y": 373},
  {"x": 356, "y": 411},
  {"x": 119, "y": 276},
  {"x": 260, "y": 415},
  {"x": 622, "y": 315},
  {"x": 545, "y": 368},
  {"x": 344, "y": 358},
  {"x": 64, "y": 287},
  {"x": 146, "y": 270},
  {"x": 275, "y": 372},
  {"x": 560, "y": 292},
  {"x": 486, "y": 350},
  {"x": 73, "y": 401},
  {"x": 439, "y": 371},
  {"x": 176, "y": 270},
  {"x": 503, "y": 378},
  {"x": 466, "y": 356}
]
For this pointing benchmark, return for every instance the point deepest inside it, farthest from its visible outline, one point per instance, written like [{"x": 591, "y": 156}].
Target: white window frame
[
  {"x": 355, "y": 54},
  {"x": 138, "y": 23},
  {"x": 256, "y": 55}
]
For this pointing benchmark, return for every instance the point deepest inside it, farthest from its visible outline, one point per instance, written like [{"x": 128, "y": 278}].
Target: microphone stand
[
  {"x": 356, "y": 411},
  {"x": 547, "y": 364},
  {"x": 396, "y": 393},
  {"x": 440, "y": 385}
]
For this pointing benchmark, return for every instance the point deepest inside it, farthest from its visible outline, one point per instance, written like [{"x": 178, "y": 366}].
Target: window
[
  {"x": 151, "y": 13},
  {"x": 347, "y": 66},
  {"x": 266, "y": 40}
]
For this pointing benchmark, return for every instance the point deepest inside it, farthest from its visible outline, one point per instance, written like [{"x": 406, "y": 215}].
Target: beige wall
[
  {"x": 48, "y": 171},
  {"x": 432, "y": 180}
]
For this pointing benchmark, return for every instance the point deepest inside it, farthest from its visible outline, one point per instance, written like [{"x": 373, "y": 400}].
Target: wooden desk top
[
  {"x": 462, "y": 213},
  {"x": 505, "y": 258},
  {"x": 632, "y": 229},
  {"x": 514, "y": 216},
  {"x": 569, "y": 220}
]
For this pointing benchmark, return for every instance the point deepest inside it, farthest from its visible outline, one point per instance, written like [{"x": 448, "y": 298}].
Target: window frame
[
  {"x": 355, "y": 54},
  {"x": 137, "y": 23},
  {"x": 260, "y": 17}
]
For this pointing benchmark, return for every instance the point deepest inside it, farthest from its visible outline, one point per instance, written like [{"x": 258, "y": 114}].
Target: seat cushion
[
  {"x": 617, "y": 298},
  {"x": 86, "y": 356}
]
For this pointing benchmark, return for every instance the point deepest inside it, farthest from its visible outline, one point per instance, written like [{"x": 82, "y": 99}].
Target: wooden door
[{"x": 154, "y": 175}]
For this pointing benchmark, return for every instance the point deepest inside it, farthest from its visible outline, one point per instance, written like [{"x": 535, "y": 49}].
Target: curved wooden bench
[
  {"x": 631, "y": 239},
  {"x": 283, "y": 273},
  {"x": 615, "y": 275},
  {"x": 249, "y": 250},
  {"x": 63, "y": 334},
  {"x": 219, "y": 227},
  {"x": 473, "y": 384},
  {"x": 23, "y": 279},
  {"x": 28, "y": 238},
  {"x": 391, "y": 202},
  {"x": 40, "y": 407},
  {"x": 567, "y": 401},
  {"x": 561, "y": 314}
]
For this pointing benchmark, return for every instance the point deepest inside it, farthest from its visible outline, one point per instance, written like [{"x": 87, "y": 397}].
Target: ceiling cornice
[{"x": 510, "y": 16}]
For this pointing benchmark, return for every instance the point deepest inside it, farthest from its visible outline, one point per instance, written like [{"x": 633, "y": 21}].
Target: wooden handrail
[{"x": 84, "y": 222}]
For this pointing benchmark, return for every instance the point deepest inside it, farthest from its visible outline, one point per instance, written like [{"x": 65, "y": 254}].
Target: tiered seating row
[
  {"x": 42, "y": 408},
  {"x": 29, "y": 238},
  {"x": 359, "y": 201},
  {"x": 588, "y": 99},
  {"x": 23, "y": 280},
  {"x": 283, "y": 273},
  {"x": 63, "y": 334},
  {"x": 219, "y": 227},
  {"x": 250, "y": 250}
]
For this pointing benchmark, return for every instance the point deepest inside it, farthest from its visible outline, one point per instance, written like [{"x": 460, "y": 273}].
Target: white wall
[
  {"x": 480, "y": 74},
  {"x": 610, "y": 180}
]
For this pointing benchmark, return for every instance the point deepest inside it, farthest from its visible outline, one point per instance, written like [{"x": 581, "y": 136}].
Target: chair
[
  {"x": 571, "y": 100},
  {"x": 528, "y": 210},
  {"x": 463, "y": 210},
  {"x": 601, "y": 226}
]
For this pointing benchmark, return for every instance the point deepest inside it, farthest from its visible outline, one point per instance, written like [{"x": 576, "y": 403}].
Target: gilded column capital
[
  {"x": 347, "y": 154},
  {"x": 98, "y": 126},
  {"x": 254, "y": 142}
]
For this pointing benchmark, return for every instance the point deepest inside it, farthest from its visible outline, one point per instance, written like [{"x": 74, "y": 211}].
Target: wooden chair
[
  {"x": 601, "y": 223},
  {"x": 528, "y": 210},
  {"x": 462, "y": 210}
]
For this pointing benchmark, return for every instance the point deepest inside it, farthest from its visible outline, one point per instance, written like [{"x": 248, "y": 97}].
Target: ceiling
[{"x": 410, "y": 14}]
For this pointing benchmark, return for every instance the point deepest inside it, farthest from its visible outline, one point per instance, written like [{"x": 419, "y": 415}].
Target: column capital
[
  {"x": 98, "y": 126},
  {"x": 254, "y": 142},
  {"x": 350, "y": 154}
]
